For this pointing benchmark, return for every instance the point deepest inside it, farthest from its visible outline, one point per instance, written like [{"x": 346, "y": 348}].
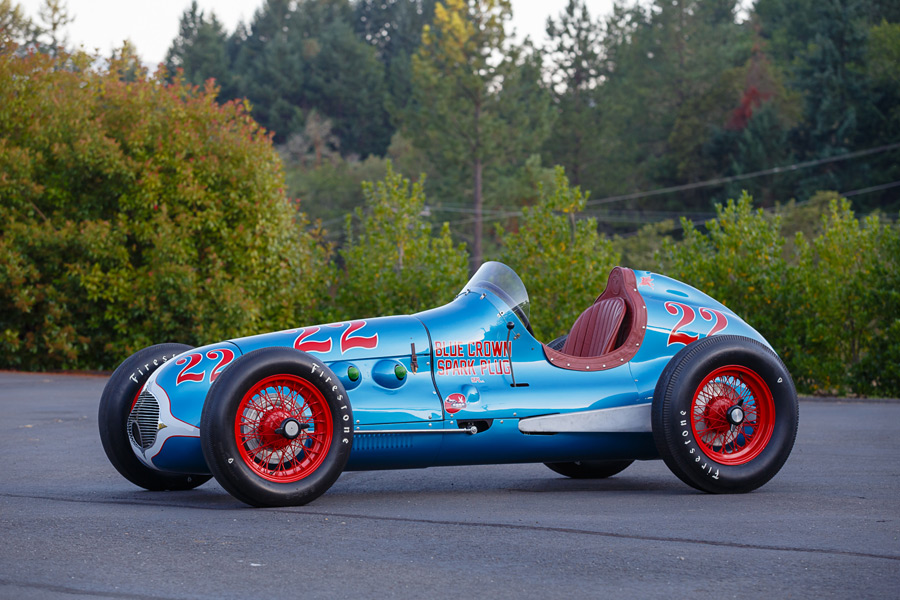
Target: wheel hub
[
  {"x": 716, "y": 419},
  {"x": 284, "y": 428},
  {"x": 735, "y": 415},
  {"x": 271, "y": 432},
  {"x": 290, "y": 428}
]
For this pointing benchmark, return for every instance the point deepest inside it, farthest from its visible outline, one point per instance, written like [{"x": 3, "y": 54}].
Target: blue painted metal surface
[{"x": 452, "y": 367}]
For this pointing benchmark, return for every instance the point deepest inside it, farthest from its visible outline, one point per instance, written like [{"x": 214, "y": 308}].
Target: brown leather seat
[{"x": 596, "y": 330}]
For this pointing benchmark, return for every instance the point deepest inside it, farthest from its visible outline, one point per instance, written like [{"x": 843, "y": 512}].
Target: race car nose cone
[
  {"x": 735, "y": 415},
  {"x": 290, "y": 428}
]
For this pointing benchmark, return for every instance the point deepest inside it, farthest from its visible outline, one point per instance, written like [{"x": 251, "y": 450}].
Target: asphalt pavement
[{"x": 828, "y": 525}]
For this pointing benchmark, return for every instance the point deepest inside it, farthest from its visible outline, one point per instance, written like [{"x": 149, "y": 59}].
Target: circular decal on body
[{"x": 454, "y": 403}]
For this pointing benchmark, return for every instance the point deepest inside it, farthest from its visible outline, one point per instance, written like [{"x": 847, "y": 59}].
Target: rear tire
[
  {"x": 590, "y": 469},
  {"x": 277, "y": 428},
  {"x": 116, "y": 402},
  {"x": 725, "y": 414}
]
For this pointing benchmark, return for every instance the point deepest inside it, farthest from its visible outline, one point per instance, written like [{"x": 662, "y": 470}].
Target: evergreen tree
[
  {"x": 824, "y": 47},
  {"x": 299, "y": 56},
  {"x": 394, "y": 28},
  {"x": 269, "y": 69},
  {"x": 576, "y": 69},
  {"x": 54, "y": 16},
  {"x": 15, "y": 27},
  {"x": 670, "y": 87},
  {"x": 345, "y": 81},
  {"x": 200, "y": 50},
  {"x": 465, "y": 113}
]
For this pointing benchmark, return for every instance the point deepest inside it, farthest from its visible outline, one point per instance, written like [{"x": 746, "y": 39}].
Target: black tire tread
[
  {"x": 112, "y": 415},
  {"x": 590, "y": 469},
  {"x": 663, "y": 417}
]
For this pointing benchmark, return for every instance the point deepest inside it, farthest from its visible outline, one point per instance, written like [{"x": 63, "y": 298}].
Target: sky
[{"x": 151, "y": 26}]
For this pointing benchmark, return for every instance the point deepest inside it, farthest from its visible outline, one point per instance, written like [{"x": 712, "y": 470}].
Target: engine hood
[{"x": 380, "y": 337}]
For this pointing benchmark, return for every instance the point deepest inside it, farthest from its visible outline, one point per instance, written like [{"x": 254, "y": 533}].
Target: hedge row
[{"x": 829, "y": 303}]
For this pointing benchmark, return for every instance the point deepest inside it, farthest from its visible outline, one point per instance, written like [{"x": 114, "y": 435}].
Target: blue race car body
[{"x": 465, "y": 383}]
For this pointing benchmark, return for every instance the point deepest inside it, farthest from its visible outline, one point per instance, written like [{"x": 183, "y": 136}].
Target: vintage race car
[{"x": 652, "y": 369}]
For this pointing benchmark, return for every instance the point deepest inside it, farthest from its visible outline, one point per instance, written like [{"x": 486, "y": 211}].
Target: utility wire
[
  {"x": 717, "y": 181},
  {"x": 874, "y": 188},
  {"x": 721, "y": 180}
]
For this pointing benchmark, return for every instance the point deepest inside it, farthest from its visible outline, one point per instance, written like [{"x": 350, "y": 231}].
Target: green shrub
[
  {"x": 830, "y": 306},
  {"x": 839, "y": 301},
  {"x": 136, "y": 212},
  {"x": 392, "y": 262},
  {"x": 878, "y": 371}
]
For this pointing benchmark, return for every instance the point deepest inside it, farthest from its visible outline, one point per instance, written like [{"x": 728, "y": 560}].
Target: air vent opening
[{"x": 143, "y": 422}]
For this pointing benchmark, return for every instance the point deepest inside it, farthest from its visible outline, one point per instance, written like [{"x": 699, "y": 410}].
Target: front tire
[
  {"x": 276, "y": 428},
  {"x": 119, "y": 396},
  {"x": 725, "y": 414},
  {"x": 590, "y": 469}
]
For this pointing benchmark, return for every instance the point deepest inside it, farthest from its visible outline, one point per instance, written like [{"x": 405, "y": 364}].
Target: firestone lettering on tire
[{"x": 140, "y": 373}]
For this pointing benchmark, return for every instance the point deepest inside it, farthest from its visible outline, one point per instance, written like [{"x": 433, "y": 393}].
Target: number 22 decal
[
  {"x": 688, "y": 317},
  {"x": 224, "y": 355},
  {"x": 348, "y": 341}
]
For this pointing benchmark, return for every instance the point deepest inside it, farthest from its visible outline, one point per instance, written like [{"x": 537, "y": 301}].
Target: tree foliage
[
  {"x": 200, "y": 51},
  {"x": 393, "y": 263},
  {"x": 135, "y": 211},
  {"x": 16, "y": 28},
  {"x": 474, "y": 104},
  {"x": 836, "y": 306},
  {"x": 576, "y": 69},
  {"x": 291, "y": 59}
]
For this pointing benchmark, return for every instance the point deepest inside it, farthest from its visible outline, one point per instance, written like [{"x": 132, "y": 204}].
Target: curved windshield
[{"x": 500, "y": 280}]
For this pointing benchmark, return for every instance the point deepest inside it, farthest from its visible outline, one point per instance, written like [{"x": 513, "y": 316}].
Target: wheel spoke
[
  {"x": 262, "y": 411},
  {"x": 722, "y": 389}
]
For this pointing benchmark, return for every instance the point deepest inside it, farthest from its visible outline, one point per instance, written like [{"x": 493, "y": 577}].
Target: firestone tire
[
  {"x": 590, "y": 469},
  {"x": 725, "y": 414},
  {"x": 276, "y": 428},
  {"x": 118, "y": 398}
]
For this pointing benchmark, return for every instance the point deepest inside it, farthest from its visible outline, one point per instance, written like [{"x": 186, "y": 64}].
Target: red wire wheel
[
  {"x": 265, "y": 408},
  {"x": 276, "y": 428},
  {"x": 723, "y": 440},
  {"x": 724, "y": 414}
]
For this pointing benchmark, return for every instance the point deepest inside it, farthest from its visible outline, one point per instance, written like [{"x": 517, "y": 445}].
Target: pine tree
[
  {"x": 671, "y": 83},
  {"x": 576, "y": 68},
  {"x": 300, "y": 56},
  {"x": 54, "y": 16},
  {"x": 465, "y": 112},
  {"x": 394, "y": 29},
  {"x": 200, "y": 50},
  {"x": 15, "y": 26}
]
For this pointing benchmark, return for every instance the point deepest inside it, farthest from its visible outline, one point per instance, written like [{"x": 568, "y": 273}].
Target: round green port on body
[
  {"x": 353, "y": 373},
  {"x": 400, "y": 371}
]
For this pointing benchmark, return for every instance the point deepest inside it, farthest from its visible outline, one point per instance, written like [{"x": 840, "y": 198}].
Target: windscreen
[{"x": 500, "y": 280}]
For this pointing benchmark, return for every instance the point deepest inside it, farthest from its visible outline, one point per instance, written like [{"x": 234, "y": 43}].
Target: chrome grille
[{"x": 143, "y": 422}]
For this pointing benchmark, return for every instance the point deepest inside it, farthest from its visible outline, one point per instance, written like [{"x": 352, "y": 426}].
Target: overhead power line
[
  {"x": 874, "y": 188},
  {"x": 710, "y": 182},
  {"x": 721, "y": 180}
]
